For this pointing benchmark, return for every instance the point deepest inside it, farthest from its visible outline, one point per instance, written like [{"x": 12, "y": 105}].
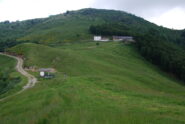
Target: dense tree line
[
  {"x": 133, "y": 29},
  {"x": 10, "y": 31},
  {"x": 182, "y": 41},
  {"x": 109, "y": 29},
  {"x": 7, "y": 44},
  {"x": 10, "y": 43},
  {"x": 167, "y": 55}
]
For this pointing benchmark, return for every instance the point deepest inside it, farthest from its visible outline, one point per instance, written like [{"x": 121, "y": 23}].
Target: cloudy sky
[{"x": 168, "y": 13}]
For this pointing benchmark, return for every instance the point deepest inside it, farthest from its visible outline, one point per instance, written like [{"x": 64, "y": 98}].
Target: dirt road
[{"x": 19, "y": 67}]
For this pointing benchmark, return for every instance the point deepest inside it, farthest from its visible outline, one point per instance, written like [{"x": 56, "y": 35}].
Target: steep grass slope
[{"x": 106, "y": 84}]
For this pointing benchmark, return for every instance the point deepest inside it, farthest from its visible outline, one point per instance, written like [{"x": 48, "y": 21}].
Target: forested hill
[{"x": 74, "y": 26}]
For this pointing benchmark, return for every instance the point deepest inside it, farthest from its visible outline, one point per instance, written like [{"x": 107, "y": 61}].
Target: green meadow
[{"x": 106, "y": 84}]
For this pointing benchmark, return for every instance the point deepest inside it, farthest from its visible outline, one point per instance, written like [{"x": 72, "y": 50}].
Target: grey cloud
[{"x": 143, "y": 8}]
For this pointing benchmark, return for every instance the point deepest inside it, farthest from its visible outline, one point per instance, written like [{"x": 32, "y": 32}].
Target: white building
[
  {"x": 46, "y": 72},
  {"x": 100, "y": 38},
  {"x": 127, "y": 39},
  {"x": 42, "y": 73},
  {"x": 97, "y": 38}
]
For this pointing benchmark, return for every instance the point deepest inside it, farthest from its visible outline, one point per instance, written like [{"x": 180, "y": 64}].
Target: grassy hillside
[
  {"x": 106, "y": 84},
  {"x": 62, "y": 28},
  {"x": 59, "y": 28}
]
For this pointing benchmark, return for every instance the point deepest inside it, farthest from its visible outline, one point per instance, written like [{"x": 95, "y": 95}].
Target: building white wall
[
  {"x": 97, "y": 38},
  {"x": 105, "y": 40},
  {"x": 42, "y": 74}
]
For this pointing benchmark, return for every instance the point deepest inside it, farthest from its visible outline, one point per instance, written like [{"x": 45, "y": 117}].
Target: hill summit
[{"x": 71, "y": 26}]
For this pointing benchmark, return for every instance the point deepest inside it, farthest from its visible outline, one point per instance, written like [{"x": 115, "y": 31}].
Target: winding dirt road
[{"x": 19, "y": 67}]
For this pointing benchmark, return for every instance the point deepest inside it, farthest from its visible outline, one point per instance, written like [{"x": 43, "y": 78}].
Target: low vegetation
[
  {"x": 109, "y": 83},
  {"x": 7, "y": 80}
]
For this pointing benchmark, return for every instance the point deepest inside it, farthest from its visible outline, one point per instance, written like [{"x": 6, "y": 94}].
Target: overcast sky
[{"x": 168, "y": 13}]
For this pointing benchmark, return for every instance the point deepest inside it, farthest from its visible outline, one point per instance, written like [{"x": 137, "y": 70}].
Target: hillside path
[{"x": 19, "y": 67}]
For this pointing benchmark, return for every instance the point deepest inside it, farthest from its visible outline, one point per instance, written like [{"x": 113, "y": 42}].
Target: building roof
[
  {"x": 123, "y": 37},
  {"x": 46, "y": 70}
]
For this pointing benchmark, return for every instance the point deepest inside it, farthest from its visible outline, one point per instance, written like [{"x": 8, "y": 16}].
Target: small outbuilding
[
  {"x": 123, "y": 38},
  {"x": 101, "y": 38},
  {"x": 97, "y": 38},
  {"x": 46, "y": 72},
  {"x": 127, "y": 39}
]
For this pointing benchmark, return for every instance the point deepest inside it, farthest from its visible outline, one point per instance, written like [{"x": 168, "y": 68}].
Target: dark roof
[
  {"x": 122, "y": 37},
  {"x": 46, "y": 70}
]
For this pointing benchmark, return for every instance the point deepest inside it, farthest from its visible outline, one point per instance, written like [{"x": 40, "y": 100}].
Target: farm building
[
  {"x": 101, "y": 38},
  {"x": 123, "y": 38},
  {"x": 97, "y": 38},
  {"x": 114, "y": 38},
  {"x": 47, "y": 72}
]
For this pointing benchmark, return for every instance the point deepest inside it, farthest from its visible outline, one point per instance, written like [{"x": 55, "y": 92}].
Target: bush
[{"x": 6, "y": 82}]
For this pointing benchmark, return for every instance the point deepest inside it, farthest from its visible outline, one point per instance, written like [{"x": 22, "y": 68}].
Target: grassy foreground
[{"x": 106, "y": 84}]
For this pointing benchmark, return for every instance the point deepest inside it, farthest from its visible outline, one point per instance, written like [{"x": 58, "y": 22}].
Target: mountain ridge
[{"x": 72, "y": 25}]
